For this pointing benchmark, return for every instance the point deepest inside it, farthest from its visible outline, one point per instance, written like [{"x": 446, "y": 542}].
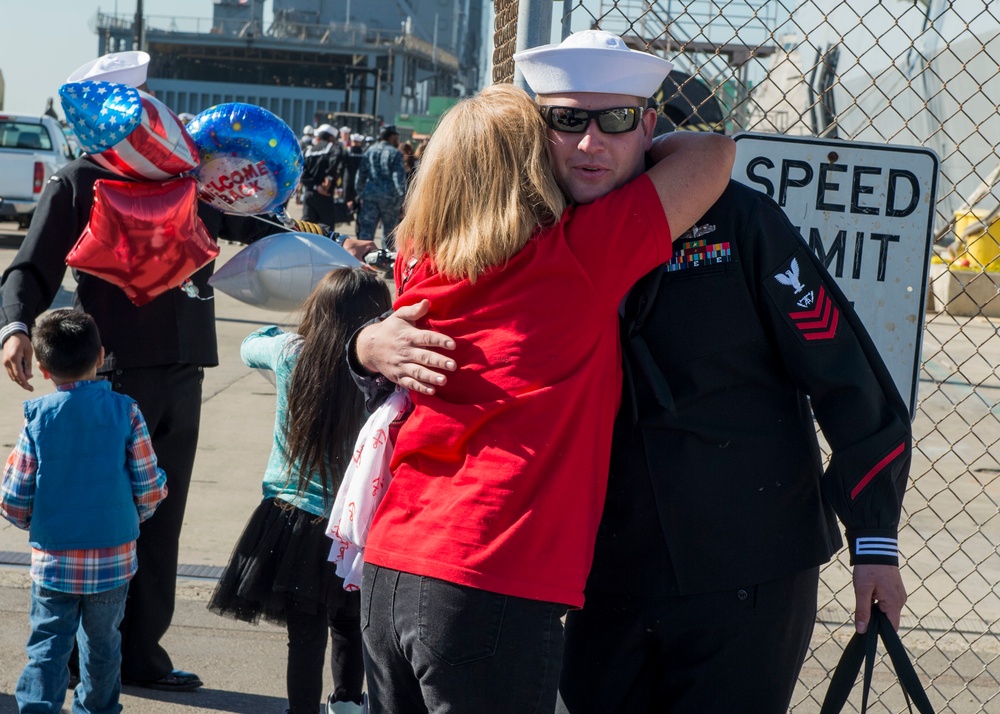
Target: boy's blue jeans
[{"x": 57, "y": 619}]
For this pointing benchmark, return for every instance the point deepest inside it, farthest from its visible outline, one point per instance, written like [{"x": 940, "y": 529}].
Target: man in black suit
[{"x": 155, "y": 353}]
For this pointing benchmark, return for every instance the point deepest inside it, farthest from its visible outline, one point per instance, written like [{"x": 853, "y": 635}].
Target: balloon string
[{"x": 290, "y": 226}]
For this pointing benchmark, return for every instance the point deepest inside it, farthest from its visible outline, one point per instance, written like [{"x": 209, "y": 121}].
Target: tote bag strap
[
  {"x": 862, "y": 648},
  {"x": 912, "y": 688}
]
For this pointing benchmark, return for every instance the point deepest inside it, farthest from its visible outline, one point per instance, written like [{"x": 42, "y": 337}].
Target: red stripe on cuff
[{"x": 878, "y": 467}]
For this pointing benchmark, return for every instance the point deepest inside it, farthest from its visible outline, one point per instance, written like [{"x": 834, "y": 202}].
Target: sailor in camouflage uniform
[{"x": 381, "y": 186}]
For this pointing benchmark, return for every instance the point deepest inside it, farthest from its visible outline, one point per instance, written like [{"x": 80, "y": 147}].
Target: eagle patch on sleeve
[{"x": 799, "y": 294}]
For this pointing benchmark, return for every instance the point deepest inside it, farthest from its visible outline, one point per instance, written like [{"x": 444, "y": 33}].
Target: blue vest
[{"x": 83, "y": 491}]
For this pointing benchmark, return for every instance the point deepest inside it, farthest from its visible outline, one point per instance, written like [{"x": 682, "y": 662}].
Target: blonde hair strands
[{"x": 484, "y": 187}]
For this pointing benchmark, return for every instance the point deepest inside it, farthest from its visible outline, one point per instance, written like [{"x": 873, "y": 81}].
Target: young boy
[{"x": 81, "y": 478}]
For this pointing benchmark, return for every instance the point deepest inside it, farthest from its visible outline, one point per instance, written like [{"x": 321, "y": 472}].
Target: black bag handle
[{"x": 862, "y": 648}]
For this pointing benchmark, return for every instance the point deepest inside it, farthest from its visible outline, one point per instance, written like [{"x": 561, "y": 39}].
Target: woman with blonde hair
[{"x": 486, "y": 533}]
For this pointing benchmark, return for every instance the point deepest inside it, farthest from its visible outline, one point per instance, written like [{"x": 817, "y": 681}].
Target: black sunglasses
[{"x": 616, "y": 120}]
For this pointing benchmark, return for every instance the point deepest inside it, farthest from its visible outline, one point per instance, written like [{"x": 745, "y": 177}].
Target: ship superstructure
[{"x": 313, "y": 58}]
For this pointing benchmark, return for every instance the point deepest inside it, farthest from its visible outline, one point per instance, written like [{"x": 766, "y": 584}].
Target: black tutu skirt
[{"x": 280, "y": 561}]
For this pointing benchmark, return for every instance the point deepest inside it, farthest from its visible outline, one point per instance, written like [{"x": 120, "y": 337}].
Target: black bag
[{"x": 862, "y": 648}]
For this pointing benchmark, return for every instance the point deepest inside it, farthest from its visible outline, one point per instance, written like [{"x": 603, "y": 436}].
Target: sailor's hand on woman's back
[{"x": 404, "y": 353}]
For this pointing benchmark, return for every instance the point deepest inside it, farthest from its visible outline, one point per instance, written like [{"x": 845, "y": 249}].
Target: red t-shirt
[{"x": 499, "y": 478}]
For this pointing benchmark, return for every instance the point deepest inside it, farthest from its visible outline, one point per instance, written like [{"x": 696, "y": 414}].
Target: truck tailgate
[{"x": 17, "y": 174}]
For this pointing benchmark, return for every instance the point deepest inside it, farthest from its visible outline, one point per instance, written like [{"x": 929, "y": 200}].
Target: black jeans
[
  {"x": 307, "y": 647},
  {"x": 437, "y": 647},
  {"x": 737, "y": 651}
]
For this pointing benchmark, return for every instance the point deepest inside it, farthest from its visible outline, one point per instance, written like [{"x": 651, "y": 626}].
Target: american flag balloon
[
  {"x": 128, "y": 131},
  {"x": 100, "y": 113}
]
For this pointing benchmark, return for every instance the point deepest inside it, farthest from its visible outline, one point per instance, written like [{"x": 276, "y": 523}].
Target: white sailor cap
[
  {"x": 592, "y": 61},
  {"x": 326, "y": 129},
  {"x": 119, "y": 67}
]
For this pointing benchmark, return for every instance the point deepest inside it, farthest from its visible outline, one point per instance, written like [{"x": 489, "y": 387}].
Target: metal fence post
[{"x": 534, "y": 28}]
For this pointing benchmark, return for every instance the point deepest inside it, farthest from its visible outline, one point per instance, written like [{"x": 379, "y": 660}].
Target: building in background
[{"x": 360, "y": 63}]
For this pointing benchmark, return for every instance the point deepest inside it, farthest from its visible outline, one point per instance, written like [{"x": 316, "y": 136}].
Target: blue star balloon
[
  {"x": 100, "y": 114},
  {"x": 250, "y": 159}
]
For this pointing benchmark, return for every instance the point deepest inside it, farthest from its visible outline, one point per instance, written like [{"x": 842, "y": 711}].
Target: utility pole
[{"x": 137, "y": 26}]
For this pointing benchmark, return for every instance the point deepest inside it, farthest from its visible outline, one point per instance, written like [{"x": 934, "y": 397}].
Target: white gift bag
[{"x": 365, "y": 481}]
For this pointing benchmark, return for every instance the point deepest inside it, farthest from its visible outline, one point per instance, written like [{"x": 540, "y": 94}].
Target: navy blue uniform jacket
[{"x": 717, "y": 478}]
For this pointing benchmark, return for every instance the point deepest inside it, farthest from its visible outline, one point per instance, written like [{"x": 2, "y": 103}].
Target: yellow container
[{"x": 982, "y": 242}]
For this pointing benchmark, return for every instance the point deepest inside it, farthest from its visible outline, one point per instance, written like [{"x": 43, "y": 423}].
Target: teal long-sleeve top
[{"x": 272, "y": 349}]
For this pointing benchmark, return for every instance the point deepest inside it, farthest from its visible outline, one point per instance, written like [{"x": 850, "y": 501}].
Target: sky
[{"x": 43, "y": 41}]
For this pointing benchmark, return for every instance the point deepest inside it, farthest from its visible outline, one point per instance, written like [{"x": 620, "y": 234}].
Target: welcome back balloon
[
  {"x": 250, "y": 159},
  {"x": 128, "y": 131}
]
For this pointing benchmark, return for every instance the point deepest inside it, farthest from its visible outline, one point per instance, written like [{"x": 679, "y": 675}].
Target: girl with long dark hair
[{"x": 279, "y": 567}]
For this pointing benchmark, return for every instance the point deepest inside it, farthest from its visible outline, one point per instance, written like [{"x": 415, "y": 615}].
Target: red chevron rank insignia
[
  {"x": 819, "y": 323},
  {"x": 798, "y": 292}
]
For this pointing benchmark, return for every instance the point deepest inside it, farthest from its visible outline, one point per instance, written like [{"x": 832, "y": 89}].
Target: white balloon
[{"x": 278, "y": 272}]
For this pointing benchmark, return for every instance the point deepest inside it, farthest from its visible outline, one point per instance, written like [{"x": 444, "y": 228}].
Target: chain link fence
[{"x": 910, "y": 72}]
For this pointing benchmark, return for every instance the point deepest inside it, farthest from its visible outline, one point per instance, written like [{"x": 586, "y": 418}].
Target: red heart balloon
[{"x": 144, "y": 237}]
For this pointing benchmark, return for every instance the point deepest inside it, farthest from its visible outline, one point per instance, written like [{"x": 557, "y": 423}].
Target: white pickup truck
[{"x": 32, "y": 148}]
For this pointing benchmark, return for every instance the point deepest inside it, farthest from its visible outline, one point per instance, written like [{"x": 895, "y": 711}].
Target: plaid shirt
[{"x": 90, "y": 570}]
